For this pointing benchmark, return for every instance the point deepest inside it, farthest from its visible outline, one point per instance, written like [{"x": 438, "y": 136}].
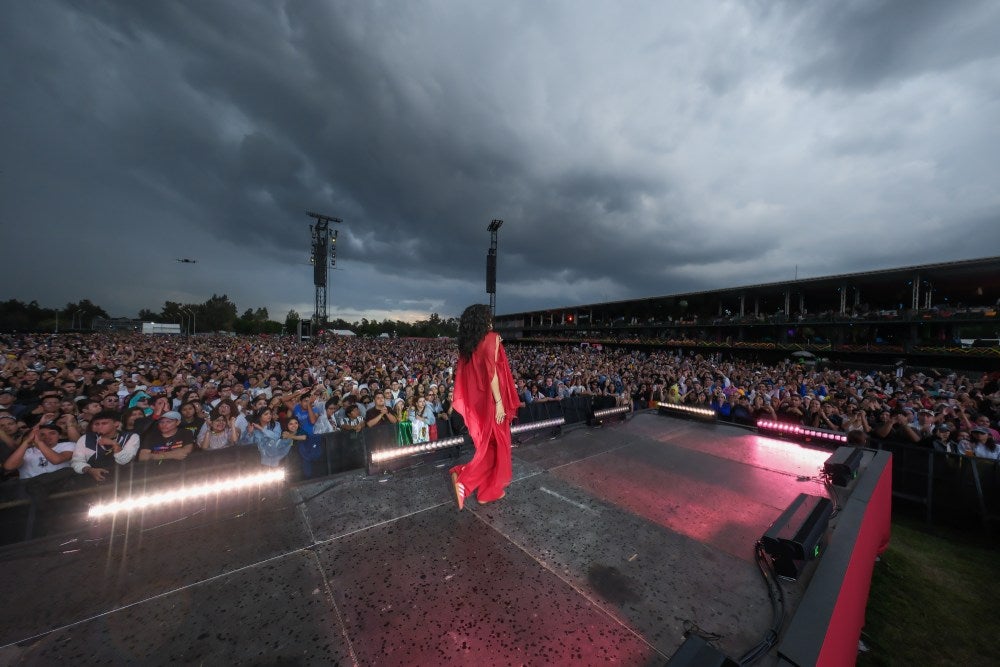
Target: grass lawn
[{"x": 935, "y": 599}]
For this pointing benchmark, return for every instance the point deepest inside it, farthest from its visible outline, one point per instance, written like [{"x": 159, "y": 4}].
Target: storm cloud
[{"x": 632, "y": 149}]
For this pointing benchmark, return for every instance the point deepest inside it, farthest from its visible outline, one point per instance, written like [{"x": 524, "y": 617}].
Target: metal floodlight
[
  {"x": 537, "y": 426},
  {"x": 599, "y": 416},
  {"x": 680, "y": 410},
  {"x": 843, "y": 464},
  {"x": 797, "y": 535},
  {"x": 163, "y": 498},
  {"x": 416, "y": 450},
  {"x": 494, "y": 225},
  {"x": 799, "y": 432}
]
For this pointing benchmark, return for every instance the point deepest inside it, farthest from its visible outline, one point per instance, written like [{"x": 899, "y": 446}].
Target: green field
[{"x": 935, "y": 599}]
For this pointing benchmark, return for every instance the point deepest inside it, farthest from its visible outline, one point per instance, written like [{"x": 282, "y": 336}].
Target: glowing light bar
[
  {"x": 155, "y": 500},
  {"x": 422, "y": 448},
  {"x": 611, "y": 411},
  {"x": 799, "y": 431},
  {"x": 688, "y": 409},
  {"x": 535, "y": 426}
]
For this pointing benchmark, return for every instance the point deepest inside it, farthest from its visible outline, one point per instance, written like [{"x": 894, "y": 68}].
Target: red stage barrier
[{"x": 827, "y": 625}]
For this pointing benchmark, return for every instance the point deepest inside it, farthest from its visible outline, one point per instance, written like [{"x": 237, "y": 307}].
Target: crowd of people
[{"x": 82, "y": 404}]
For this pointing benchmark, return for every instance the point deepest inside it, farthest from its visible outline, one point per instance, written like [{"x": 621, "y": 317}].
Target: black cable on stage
[
  {"x": 831, "y": 491},
  {"x": 777, "y": 596}
]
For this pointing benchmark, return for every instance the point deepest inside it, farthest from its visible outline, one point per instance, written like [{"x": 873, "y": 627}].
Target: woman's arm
[
  {"x": 495, "y": 385},
  {"x": 15, "y": 460}
]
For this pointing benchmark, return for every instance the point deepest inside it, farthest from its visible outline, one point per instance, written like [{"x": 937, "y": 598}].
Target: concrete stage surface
[{"x": 610, "y": 545}]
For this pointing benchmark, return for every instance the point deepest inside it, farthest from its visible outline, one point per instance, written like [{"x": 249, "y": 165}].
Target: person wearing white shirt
[{"x": 40, "y": 452}]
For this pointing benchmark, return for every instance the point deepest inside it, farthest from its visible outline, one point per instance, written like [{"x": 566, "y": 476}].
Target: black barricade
[
  {"x": 345, "y": 450},
  {"x": 604, "y": 402},
  {"x": 576, "y": 409},
  {"x": 947, "y": 485},
  {"x": 382, "y": 436}
]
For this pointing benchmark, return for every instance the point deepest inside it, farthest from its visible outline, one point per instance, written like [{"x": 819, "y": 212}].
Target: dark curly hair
[{"x": 473, "y": 326}]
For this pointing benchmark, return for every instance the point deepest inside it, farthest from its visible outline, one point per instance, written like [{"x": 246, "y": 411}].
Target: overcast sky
[{"x": 631, "y": 148}]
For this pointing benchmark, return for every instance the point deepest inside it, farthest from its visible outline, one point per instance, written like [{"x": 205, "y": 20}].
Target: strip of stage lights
[
  {"x": 800, "y": 431},
  {"x": 537, "y": 426},
  {"x": 156, "y": 500},
  {"x": 411, "y": 450},
  {"x": 708, "y": 413},
  {"x": 607, "y": 412}
]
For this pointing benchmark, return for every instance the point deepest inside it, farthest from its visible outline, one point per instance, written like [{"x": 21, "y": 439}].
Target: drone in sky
[{"x": 188, "y": 261}]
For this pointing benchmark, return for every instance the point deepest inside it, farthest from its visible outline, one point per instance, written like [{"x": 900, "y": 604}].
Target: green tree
[
  {"x": 80, "y": 315},
  {"x": 216, "y": 314}
]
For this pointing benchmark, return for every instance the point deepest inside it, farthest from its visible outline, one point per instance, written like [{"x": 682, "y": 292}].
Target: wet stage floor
[{"x": 610, "y": 545}]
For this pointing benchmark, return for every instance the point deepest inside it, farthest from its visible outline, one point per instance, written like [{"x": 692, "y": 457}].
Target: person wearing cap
[
  {"x": 105, "y": 444},
  {"x": 167, "y": 441},
  {"x": 926, "y": 427},
  {"x": 10, "y": 435},
  {"x": 983, "y": 445},
  {"x": 941, "y": 439},
  {"x": 40, "y": 452},
  {"x": 8, "y": 402},
  {"x": 982, "y": 421}
]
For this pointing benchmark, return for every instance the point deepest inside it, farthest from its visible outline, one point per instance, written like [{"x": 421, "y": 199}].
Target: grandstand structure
[{"x": 931, "y": 313}]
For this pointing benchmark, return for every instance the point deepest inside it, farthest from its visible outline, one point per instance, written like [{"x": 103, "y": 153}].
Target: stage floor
[{"x": 610, "y": 545}]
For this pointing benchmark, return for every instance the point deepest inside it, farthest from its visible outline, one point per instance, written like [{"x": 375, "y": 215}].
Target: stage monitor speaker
[
  {"x": 491, "y": 273},
  {"x": 797, "y": 534},
  {"x": 842, "y": 466}
]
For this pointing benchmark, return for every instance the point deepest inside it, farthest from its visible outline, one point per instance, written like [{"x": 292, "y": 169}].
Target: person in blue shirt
[
  {"x": 265, "y": 433},
  {"x": 311, "y": 449}
]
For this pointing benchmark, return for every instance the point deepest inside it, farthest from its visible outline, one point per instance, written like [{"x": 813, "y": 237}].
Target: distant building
[{"x": 115, "y": 324}]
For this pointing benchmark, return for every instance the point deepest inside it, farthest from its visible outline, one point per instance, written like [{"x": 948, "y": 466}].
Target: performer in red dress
[{"x": 487, "y": 399}]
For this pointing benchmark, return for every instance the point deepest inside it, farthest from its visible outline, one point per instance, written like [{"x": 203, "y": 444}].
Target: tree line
[{"x": 218, "y": 313}]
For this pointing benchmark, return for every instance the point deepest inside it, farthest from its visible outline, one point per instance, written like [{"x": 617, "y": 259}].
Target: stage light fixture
[
  {"x": 598, "y": 417},
  {"x": 797, "y": 534},
  {"x": 688, "y": 410},
  {"x": 800, "y": 432},
  {"x": 843, "y": 464},
  {"x": 537, "y": 426},
  {"x": 412, "y": 450},
  {"x": 156, "y": 500},
  {"x": 607, "y": 412}
]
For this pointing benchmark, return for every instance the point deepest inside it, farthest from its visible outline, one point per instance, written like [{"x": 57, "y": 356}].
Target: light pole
[
  {"x": 192, "y": 322},
  {"x": 180, "y": 311}
]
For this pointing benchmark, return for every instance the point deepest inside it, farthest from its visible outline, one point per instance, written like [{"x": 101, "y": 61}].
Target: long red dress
[{"x": 489, "y": 471}]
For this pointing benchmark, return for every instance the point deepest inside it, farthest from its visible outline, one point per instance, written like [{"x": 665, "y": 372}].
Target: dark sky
[{"x": 632, "y": 149}]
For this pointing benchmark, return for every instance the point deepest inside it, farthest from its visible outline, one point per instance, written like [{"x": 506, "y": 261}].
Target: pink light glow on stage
[
  {"x": 786, "y": 456},
  {"x": 724, "y": 503}
]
